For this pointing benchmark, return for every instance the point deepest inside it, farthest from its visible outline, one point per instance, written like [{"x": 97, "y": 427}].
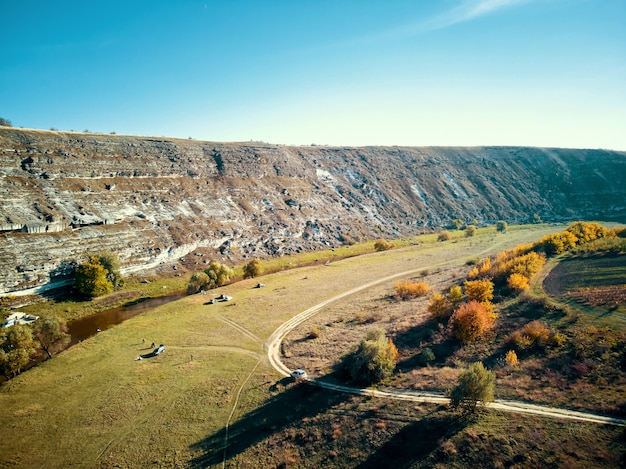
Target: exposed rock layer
[{"x": 152, "y": 200}]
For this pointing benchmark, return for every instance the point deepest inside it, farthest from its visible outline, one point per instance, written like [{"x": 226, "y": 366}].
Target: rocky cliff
[{"x": 154, "y": 200}]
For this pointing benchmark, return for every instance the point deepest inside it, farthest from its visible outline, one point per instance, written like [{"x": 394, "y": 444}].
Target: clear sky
[{"x": 336, "y": 72}]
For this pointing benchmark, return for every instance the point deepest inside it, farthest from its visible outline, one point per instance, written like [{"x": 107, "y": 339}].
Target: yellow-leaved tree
[
  {"x": 479, "y": 290},
  {"x": 518, "y": 282}
]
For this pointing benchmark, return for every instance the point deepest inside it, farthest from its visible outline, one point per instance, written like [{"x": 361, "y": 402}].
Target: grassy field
[
  {"x": 594, "y": 284},
  {"x": 95, "y": 406}
]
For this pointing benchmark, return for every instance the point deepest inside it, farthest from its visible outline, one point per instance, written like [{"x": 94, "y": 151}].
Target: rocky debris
[{"x": 153, "y": 201}]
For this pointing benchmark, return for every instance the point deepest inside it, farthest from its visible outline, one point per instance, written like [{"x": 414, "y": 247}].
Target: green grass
[{"x": 95, "y": 406}]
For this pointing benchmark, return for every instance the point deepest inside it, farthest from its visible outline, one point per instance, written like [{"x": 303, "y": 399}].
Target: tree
[
  {"x": 501, "y": 226},
  {"x": 470, "y": 231},
  {"x": 620, "y": 231},
  {"x": 558, "y": 243},
  {"x": 17, "y": 346},
  {"x": 252, "y": 269},
  {"x": 476, "y": 384},
  {"x": 479, "y": 290},
  {"x": 111, "y": 263},
  {"x": 5, "y": 122},
  {"x": 218, "y": 274},
  {"x": 91, "y": 278},
  {"x": 373, "y": 359},
  {"x": 471, "y": 320},
  {"x": 50, "y": 332},
  {"x": 588, "y": 231},
  {"x": 485, "y": 267},
  {"x": 198, "y": 281},
  {"x": 527, "y": 264},
  {"x": 518, "y": 282},
  {"x": 534, "y": 334}
]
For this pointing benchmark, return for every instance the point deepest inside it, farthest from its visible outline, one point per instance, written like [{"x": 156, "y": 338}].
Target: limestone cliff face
[{"x": 153, "y": 200}]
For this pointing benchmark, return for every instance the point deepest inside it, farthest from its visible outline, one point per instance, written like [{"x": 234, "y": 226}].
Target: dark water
[{"x": 83, "y": 328}]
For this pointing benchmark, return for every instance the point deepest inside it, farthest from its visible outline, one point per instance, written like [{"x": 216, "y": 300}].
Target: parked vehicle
[{"x": 298, "y": 374}]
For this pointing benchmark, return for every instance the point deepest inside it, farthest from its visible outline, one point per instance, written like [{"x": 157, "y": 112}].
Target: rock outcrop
[{"x": 153, "y": 200}]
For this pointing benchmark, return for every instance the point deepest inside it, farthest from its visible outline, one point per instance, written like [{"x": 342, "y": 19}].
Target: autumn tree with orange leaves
[{"x": 471, "y": 320}]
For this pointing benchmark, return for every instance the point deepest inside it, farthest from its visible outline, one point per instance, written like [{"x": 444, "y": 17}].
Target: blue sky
[{"x": 392, "y": 72}]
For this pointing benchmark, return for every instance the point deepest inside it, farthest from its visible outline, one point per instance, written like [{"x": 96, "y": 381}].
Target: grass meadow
[{"x": 94, "y": 405}]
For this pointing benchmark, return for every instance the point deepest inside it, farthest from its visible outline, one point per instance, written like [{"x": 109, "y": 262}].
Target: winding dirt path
[{"x": 274, "y": 353}]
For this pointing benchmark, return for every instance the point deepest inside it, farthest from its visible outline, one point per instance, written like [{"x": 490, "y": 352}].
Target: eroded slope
[{"x": 152, "y": 200}]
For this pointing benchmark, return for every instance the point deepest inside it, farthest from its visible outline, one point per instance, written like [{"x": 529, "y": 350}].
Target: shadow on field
[
  {"x": 415, "y": 442},
  {"x": 428, "y": 332},
  {"x": 298, "y": 402}
]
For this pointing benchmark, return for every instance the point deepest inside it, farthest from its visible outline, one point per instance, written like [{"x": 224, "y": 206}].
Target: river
[{"x": 83, "y": 328}]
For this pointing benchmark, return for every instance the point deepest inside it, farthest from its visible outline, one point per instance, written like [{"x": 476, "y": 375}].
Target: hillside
[{"x": 154, "y": 200}]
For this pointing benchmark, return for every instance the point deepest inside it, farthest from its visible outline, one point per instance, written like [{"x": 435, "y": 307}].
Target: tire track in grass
[
  {"x": 241, "y": 329},
  {"x": 232, "y": 412}
]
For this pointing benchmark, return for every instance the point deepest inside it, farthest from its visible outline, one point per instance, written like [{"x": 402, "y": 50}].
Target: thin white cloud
[
  {"x": 466, "y": 11},
  {"x": 463, "y": 11}
]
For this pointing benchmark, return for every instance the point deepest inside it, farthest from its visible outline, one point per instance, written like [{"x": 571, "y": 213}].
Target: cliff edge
[{"x": 154, "y": 200}]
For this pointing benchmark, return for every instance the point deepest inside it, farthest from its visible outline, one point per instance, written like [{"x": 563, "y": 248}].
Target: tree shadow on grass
[
  {"x": 427, "y": 334},
  {"x": 298, "y": 402},
  {"x": 416, "y": 442}
]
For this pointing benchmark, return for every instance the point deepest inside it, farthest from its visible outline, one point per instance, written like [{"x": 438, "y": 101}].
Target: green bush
[
  {"x": 373, "y": 360},
  {"x": 426, "y": 356},
  {"x": 475, "y": 385}
]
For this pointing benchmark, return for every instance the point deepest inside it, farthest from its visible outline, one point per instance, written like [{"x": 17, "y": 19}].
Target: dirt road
[{"x": 274, "y": 354}]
